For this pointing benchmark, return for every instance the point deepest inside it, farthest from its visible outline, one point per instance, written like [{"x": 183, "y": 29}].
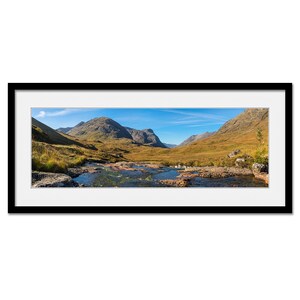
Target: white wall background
[{"x": 148, "y": 256}]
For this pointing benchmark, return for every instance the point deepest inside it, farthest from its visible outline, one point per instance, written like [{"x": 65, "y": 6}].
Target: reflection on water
[{"x": 141, "y": 176}]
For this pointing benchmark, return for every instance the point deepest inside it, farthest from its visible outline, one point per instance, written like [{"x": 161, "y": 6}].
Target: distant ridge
[
  {"x": 170, "y": 145},
  {"x": 196, "y": 137},
  {"x": 66, "y": 129}
]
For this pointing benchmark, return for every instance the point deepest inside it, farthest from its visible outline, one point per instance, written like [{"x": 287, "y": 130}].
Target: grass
[{"x": 55, "y": 158}]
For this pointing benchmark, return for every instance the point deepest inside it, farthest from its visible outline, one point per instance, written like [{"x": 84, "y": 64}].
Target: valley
[{"x": 103, "y": 146}]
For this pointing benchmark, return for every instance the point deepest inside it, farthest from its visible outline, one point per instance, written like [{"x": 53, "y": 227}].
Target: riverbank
[{"x": 130, "y": 174}]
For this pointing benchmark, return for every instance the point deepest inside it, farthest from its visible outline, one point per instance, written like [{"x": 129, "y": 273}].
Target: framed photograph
[{"x": 150, "y": 148}]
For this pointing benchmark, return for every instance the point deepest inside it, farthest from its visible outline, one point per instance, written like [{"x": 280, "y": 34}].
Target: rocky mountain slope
[
  {"x": 106, "y": 128},
  {"x": 145, "y": 137},
  {"x": 196, "y": 137},
  {"x": 238, "y": 133},
  {"x": 246, "y": 121},
  {"x": 100, "y": 128}
]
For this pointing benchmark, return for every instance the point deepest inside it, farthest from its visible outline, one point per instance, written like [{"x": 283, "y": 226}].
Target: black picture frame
[{"x": 13, "y": 87}]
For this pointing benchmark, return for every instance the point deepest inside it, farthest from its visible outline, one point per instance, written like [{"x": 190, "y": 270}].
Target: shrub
[{"x": 261, "y": 157}]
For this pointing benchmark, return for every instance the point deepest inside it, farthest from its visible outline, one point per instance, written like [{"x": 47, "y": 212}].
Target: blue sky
[{"x": 172, "y": 125}]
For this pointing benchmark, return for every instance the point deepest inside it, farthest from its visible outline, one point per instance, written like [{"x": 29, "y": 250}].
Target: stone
[
  {"x": 240, "y": 162},
  {"x": 262, "y": 176},
  {"x": 234, "y": 153},
  {"x": 258, "y": 168},
  {"x": 45, "y": 179},
  {"x": 175, "y": 182}
]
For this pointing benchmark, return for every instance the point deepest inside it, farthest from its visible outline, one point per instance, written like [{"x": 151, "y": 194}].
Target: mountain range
[
  {"x": 66, "y": 129},
  {"x": 103, "y": 128},
  {"x": 106, "y": 140}
]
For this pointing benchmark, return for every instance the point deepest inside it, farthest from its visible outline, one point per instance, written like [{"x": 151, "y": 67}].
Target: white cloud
[
  {"x": 205, "y": 124},
  {"x": 188, "y": 115},
  {"x": 62, "y": 112},
  {"x": 194, "y": 119},
  {"x": 41, "y": 114}
]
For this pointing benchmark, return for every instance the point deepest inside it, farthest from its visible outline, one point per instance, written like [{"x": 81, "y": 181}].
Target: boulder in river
[
  {"x": 175, "y": 182},
  {"x": 45, "y": 179},
  {"x": 262, "y": 176},
  {"x": 222, "y": 172},
  {"x": 260, "y": 171},
  {"x": 258, "y": 168}
]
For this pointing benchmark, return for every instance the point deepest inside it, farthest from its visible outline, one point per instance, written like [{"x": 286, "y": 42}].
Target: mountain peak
[
  {"x": 145, "y": 137},
  {"x": 99, "y": 128},
  {"x": 79, "y": 124}
]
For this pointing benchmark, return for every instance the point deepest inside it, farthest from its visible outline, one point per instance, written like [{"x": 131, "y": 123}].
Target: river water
[{"x": 143, "y": 176}]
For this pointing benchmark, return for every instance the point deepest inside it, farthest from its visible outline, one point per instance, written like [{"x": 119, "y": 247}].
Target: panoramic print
[{"x": 150, "y": 147}]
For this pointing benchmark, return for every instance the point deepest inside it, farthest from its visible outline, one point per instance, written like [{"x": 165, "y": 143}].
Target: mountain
[
  {"x": 106, "y": 128},
  {"x": 237, "y": 133},
  {"x": 170, "y": 145},
  {"x": 66, "y": 129},
  {"x": 246, "y": 121},
  {"x": 145, "y": 137},
  {"x": 99, "y": 128},
  {"x": 196, "y": 137},
  {"x": 44, "y": 133}
]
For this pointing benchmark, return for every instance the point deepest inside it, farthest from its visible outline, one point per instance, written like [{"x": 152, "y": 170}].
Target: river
[{"x": 143, "y": 176}]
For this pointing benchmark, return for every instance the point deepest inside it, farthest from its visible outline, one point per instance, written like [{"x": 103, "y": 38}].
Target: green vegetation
[
  {"x": 55, "y": 158},
  {"x": 261, "y": 154}
]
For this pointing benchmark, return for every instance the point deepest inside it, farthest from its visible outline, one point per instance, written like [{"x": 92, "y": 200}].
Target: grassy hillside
[
  {"x": 57, "y": 158},
  {"x": 44, "y": 133}
]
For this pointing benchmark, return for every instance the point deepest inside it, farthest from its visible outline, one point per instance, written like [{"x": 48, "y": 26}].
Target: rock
[
  {"x": 234, "y": 153},
  {"x": 239, "y": 162},
  {"x": 262, "y": 176},
  {"x": 152, "y": 166},
  {"x": 258, "y": 168},
  {"x": 44, "y": 179},
  {"x": 175, "y": 182},
  {"x": 222, "y": 172},
  {"x": 74, "y": 172},
  {"x": 187, "y": 175},
  {"x": 260, "y": 171}
]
